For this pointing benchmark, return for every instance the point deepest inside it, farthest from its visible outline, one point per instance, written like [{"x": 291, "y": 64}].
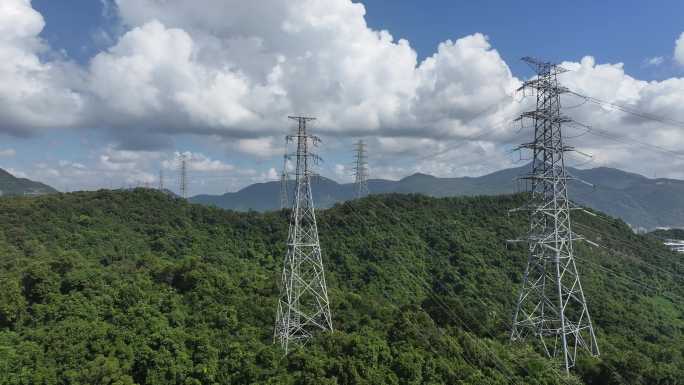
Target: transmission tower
[
  {"x": 183, "y": 175},
  {"x": 303, "y": 307},
  {"x": 551, "y": 305},
  {"x": 360, "y": 170},
  {"x": 161, "y": 179},
  {"x": 284, "y": 193}
]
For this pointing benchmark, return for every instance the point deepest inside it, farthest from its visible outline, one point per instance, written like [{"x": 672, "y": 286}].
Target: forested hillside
[
  {"x": 140, "y": 287},
  {"x": 668, "y": 234},
  {"x": 11, "y": 185}
]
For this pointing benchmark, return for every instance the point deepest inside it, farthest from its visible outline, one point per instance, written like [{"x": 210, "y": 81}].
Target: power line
[
  {"x": 630, "y": 110},
  {"x": 628, "y": 140},
  {"x": 626, "y": 278},
  {"x": 431, "y": 255},
  {"x": 606, "y": 134},
  {"x": 593, "y": 230}
]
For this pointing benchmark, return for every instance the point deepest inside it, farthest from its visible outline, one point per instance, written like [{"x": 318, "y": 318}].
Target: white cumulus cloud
[
  {"x": 679, "y": 50},
  {"x": 237, "y": 70},
  {"x": 232, "y": 70},
  {"x": 36, "y": 94},
  {"x": 654, "y": 61},
  {"x": 8, "y": 153}
]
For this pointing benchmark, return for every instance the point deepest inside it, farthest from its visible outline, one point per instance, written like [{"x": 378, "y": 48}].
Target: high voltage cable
[
  {"x": 629, "y": 110},
  {"x": 654, "y": 267},
  {"x": 635, "y": 280},
  {"x": 431, "y": 254},
  {"x": 626, "y": 139},
  {"x": 622, "y": 138},
  {"x": 608, "y": 221},
  {"x": 421, "y": 282},
  {"x": 655, "y": 290},
  {"x": 474, "y": 137}
]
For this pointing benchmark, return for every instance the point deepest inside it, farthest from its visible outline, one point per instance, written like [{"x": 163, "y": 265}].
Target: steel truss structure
[
  {"x": 360, "y": 170},
  {"x": 551, "y": 305},
  {"x": 303, "y": 307}
]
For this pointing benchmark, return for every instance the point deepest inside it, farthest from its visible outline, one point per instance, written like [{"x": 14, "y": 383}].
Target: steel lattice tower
[
  {"x": 284, "y": 192},
  {"x": 360, "y": 170},
  {"x": 303, "y": 307},
  {"x": 183, "y": 175},
  {"x": 551, "y": 305}
]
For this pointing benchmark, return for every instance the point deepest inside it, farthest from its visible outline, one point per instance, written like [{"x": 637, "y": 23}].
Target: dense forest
[
  {"x": 665, "y": 234},
  {"x": 140, "y": 287}
]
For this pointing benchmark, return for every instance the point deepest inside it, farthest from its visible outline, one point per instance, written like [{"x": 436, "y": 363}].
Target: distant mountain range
[
  {"x": 12, "y": 186},
  {"x": 640, "y": 201}
]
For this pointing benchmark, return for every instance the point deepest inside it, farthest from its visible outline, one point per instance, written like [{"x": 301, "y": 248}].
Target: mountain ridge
[
  {"x": 642, "y": 202},
  {"x": 12, "y": 186}
]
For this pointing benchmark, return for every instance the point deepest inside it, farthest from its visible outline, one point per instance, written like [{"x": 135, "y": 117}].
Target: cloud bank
[{"x": 233, "y": 70}]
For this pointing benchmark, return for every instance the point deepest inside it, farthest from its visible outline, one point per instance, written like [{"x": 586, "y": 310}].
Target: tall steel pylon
[
  {"x": 303, "y": 307},
  {"x": 183, "y": 175},
  {"x": 284, "y": 178},
  {"x": 360, "y": 170},
  {"x": 551, "y": 305}
]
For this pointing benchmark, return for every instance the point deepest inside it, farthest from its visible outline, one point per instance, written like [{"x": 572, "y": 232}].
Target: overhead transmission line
[
  {"x": 630, "y": 110},
  {"x": 634, "y": 281},
  {"x": 623, "y": 138},
  {"x": 626, "y": 140},
  {"x": 594, "y": 231},
  {"x": 421, "y": 282},
  {"x": 450, "y": 313}
]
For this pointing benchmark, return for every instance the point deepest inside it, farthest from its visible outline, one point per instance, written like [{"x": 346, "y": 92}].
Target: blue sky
[
  {"x": 239, "y": 144},
  {"x": 628, "y": 31},
  {"x": 612, "y": 31}
]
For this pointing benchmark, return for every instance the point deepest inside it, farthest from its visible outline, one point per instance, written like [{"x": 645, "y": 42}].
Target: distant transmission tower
[
  {"x": 284, "y": 193},
  {"x": 361, "y": 170},
  {"x": 183, "y": 175},
  {"x": 161, "y": 179},
  {"x": 303, "y": 307},
  {"x": 551, "y": 305}
]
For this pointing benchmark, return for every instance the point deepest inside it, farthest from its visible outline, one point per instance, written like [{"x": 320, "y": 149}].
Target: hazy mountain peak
[
  {"x": 419, "y": 175},
  {"x": 11, "y": 185},
  {"x": 637, "y": 200}
]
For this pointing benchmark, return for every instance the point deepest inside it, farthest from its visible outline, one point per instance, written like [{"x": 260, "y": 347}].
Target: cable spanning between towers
[
  {"x": 360, "y": 170},
  {"x": 551, "y": 305},
  {"x": 303, "y": 307}
]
